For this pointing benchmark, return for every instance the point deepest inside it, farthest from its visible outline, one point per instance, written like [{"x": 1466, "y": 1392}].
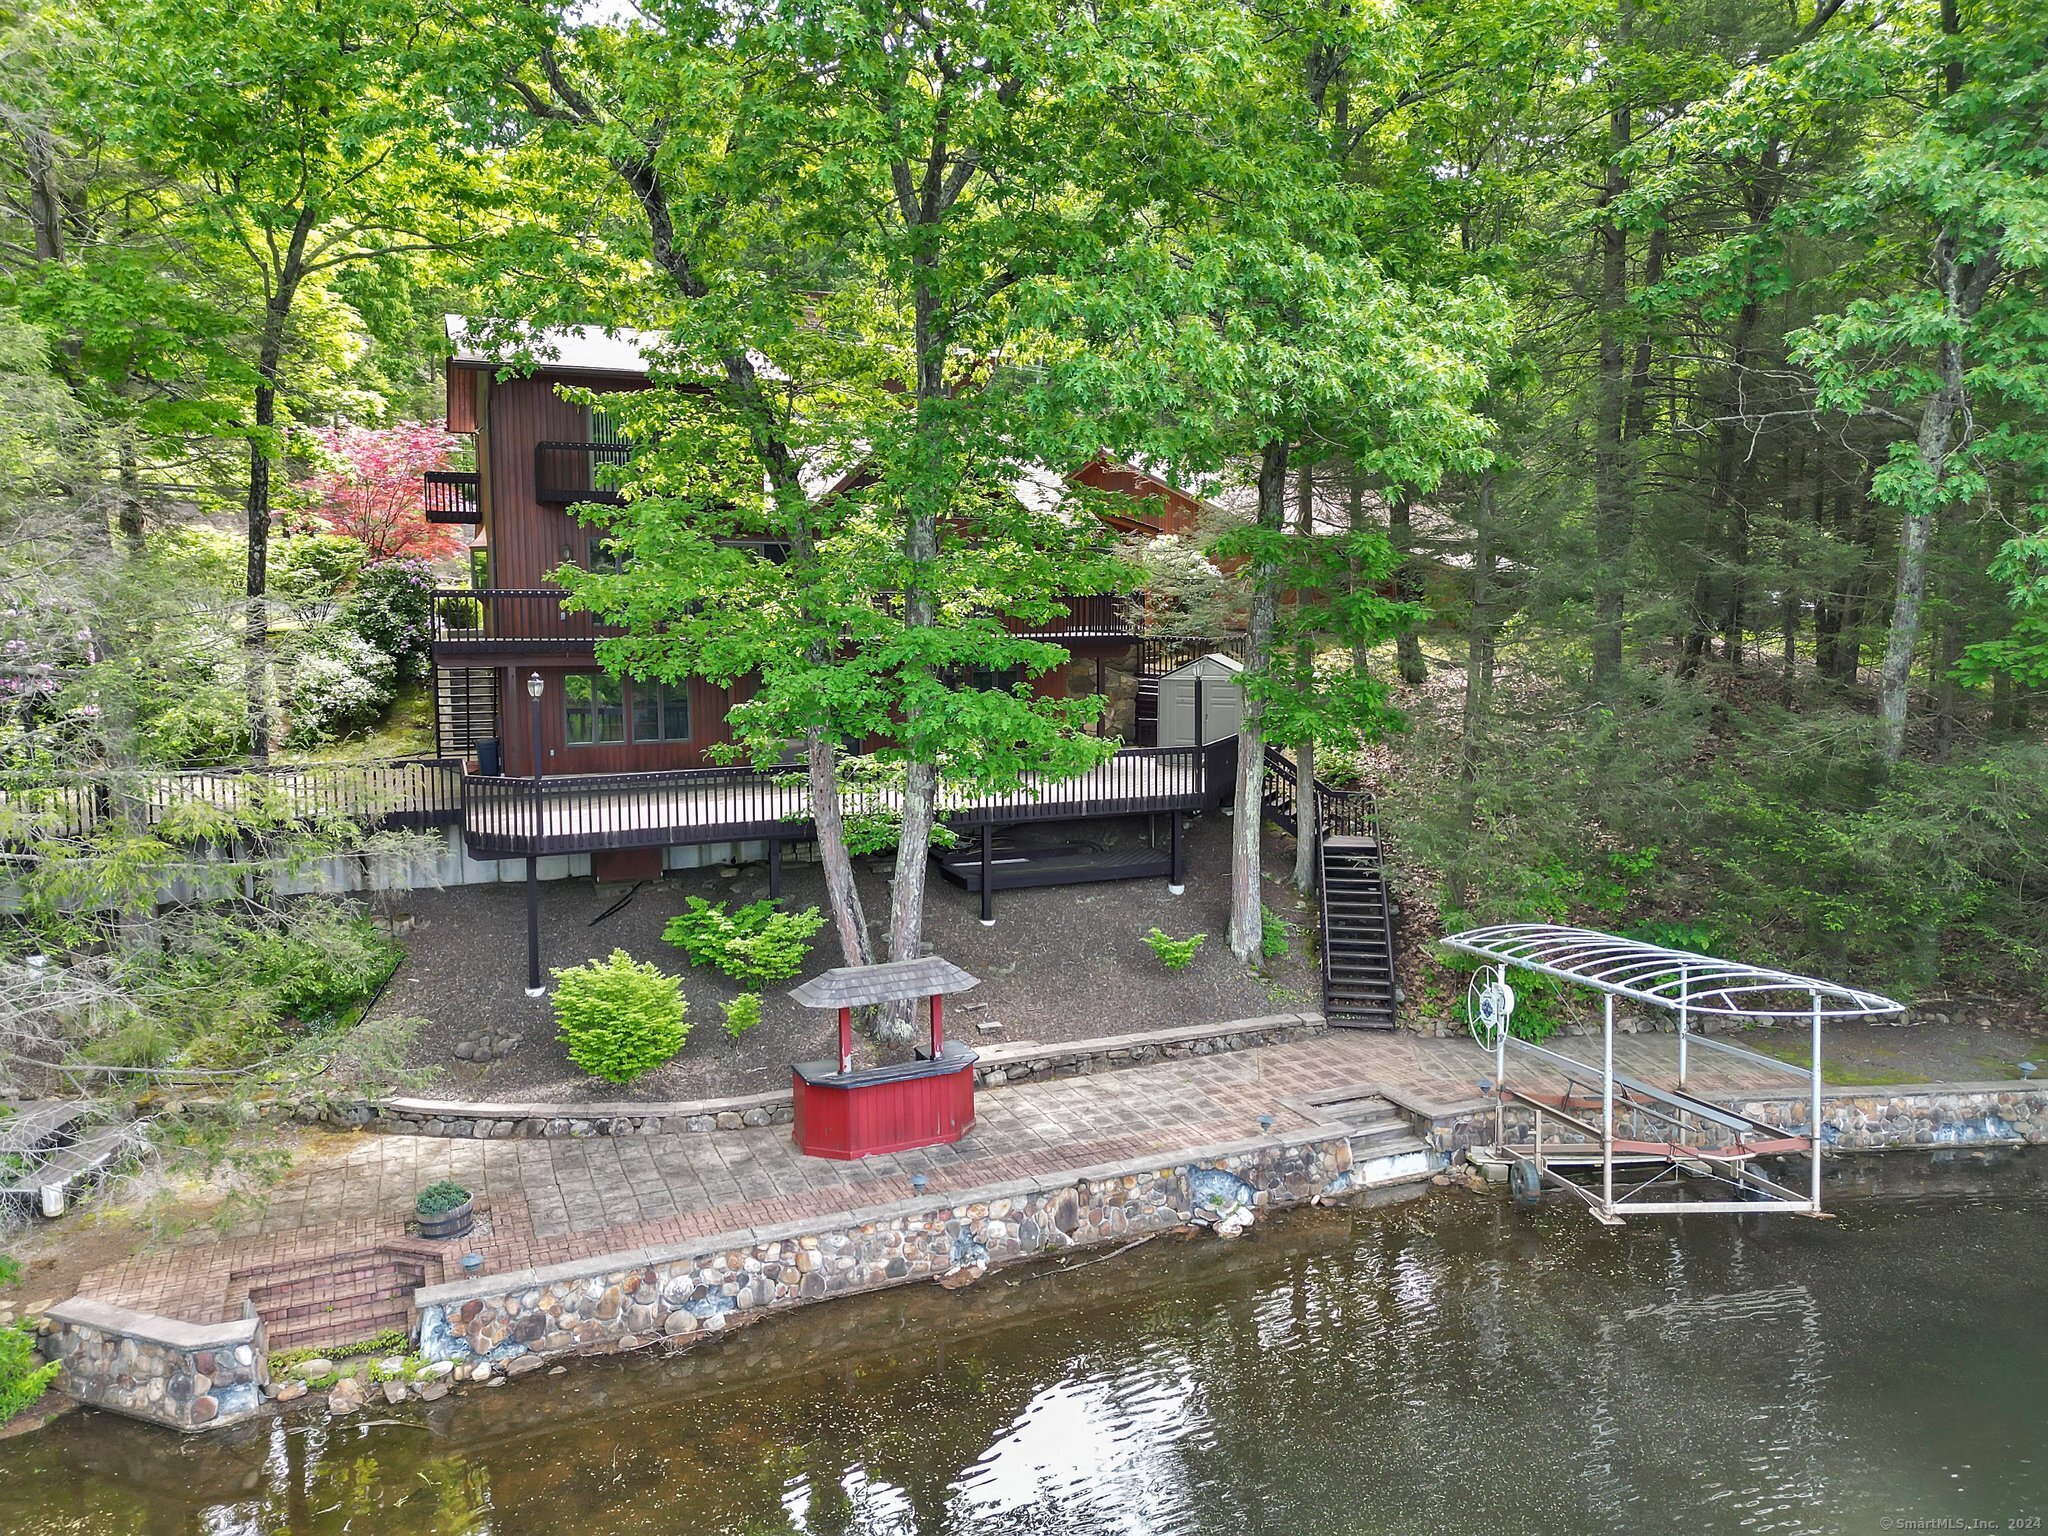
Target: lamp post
[{"x": 533, "y": 984}]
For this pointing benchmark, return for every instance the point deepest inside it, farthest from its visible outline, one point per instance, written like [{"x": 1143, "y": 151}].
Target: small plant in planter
[{"x": 445, "y": 1209}]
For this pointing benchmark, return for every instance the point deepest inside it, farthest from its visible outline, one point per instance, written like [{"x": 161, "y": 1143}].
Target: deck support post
[
  {"x": 1813, "y": 1123},
  {"x": 1177, "y": 878},
  {"x": 534, "y": 988},
  {"x": 988, "y": 880},
  {"x": 1607, "y": 1103},
  {"x": 533, "y": 984},
  {"x": 775, "y": 867}
]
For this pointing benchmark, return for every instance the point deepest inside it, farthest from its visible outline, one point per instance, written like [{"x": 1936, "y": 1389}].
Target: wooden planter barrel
[
  {"x": 456, "y": 1221},
  {"x": 845, "y": 1115}
]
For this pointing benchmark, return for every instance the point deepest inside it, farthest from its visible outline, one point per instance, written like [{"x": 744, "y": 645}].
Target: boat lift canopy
[{"x": 1676, "y": 1132}]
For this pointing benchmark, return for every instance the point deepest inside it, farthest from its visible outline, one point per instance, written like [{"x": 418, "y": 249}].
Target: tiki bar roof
[{"x": 856, "y": 986}]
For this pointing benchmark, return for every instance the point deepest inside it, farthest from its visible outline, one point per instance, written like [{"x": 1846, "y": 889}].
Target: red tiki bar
[{"x": 925, "y": 1102}]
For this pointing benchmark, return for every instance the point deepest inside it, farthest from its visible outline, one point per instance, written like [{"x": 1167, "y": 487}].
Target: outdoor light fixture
[{"x": 533, "y": 686}]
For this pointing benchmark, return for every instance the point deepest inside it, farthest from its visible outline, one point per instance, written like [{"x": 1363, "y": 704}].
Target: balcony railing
[
  {"x": 511, "y": 618},
  {"x": 1102, "y": 614},
  {"x": 508, "y": 618},
  {"x": 572, "y": 472},
  {"x": 453, "y": 496}
]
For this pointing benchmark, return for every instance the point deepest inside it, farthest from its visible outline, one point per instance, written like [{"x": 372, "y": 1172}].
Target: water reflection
[{"x": 1449, "y": 1366}]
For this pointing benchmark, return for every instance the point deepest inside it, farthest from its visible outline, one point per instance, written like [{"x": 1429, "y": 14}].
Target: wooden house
[{"x": 625, "y": 767}]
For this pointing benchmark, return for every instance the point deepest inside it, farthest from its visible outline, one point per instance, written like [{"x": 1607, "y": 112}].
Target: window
[
  {"x": 593, "y": 709},
  {"x": 480, "y": 566},
  {"x": 661, "y": 711},
  {"x": 607, "y": 558}
]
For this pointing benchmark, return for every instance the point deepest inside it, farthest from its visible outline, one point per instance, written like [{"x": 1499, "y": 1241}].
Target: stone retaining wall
[
  {"x": 1022, "y": 1062},
  {"x": 626, "y": 1299},
  {"x": 188, "y": 1376},
  {"x": 1917, "y": 1115},
  {"x": 1901, "y": 1118}
]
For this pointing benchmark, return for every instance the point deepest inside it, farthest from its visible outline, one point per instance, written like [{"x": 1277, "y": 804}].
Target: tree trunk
[
  {"x": 1962, "y": 286},
  {"x": 1305, "y": 808},
  {"x": 1245, "y": 875},
  {"x": 1613, "y": 516},
  {"x": 841, "y": 893},
  {"x": 256, "y": 627},
  {"x": 1401, "y": 534},
  {"x": 1478, "y": 646}
]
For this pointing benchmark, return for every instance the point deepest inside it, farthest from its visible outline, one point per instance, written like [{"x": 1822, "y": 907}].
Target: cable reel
[{"x": 1489, "y": 1005}]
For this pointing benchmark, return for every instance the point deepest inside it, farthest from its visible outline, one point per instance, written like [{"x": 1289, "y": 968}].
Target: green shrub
[
  {"x": 439, "y": 1198},
  {"x": 393, "y": 609},
  {"x": 341, "y": 682},
  {"x": 1272, "y": 934},
  {"x": 756, "y": 946},
  {"x": 23, "y": 1376},
  {"x": 1174, "y": 954},
  {"x": 741, "y": 1015},
  {"x": 619, "y": 1018},
  {"x": 307, "y": 567}
]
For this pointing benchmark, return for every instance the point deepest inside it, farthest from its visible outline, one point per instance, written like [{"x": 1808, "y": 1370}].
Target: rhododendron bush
[{"x": 374, "y": 492}]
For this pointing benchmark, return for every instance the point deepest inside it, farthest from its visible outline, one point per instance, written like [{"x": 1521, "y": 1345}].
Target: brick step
[
  {"x": 311, "y": 1293},
  {"x": 373, "y": 1298}
]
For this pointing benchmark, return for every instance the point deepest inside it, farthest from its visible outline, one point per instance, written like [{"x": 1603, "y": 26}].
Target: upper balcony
[
  {"x": 512, "y": 619},
  {"x": 453, "y": 496},
  {"x": 564, "y": 473},
  {"x": 502, "y": 620}
]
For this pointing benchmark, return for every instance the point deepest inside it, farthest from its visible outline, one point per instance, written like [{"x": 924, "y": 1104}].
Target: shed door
[{"x": 1222, "y": 709}]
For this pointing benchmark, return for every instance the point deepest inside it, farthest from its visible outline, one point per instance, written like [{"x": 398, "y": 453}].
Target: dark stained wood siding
[{"x": 708, "y": 704}]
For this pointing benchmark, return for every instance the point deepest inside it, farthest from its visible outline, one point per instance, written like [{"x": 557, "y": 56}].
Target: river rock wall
[
  {"x": 189, "y": 1376},
  {"x": 624, "y": 1300}
]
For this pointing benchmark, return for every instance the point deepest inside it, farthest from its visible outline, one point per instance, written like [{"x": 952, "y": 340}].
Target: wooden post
[
  {"x": 846, "y": 1039},
  {"x": 1201, "y": 721},
  {"x": 988, "y": 882},
  {"x": 775, "y": 866},
  {"x": 1177, "y": 876},
  {"x": 938, "y": 1026}
]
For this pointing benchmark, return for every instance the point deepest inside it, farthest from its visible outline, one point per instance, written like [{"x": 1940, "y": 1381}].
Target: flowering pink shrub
[{"x": 375, "y": 497}]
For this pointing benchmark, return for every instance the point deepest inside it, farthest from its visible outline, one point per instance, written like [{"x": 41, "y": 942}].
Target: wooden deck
[{"x": 510, "y": 818}]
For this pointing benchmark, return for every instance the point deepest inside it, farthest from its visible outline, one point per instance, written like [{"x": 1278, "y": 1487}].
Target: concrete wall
[{"x": 447, "y": 862}]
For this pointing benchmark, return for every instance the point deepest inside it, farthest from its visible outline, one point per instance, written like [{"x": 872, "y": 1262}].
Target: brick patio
[{"x": 545, "y": 1202}]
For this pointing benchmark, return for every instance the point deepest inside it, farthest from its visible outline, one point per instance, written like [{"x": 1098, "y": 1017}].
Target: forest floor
[{"x": 1061, "y": 963}]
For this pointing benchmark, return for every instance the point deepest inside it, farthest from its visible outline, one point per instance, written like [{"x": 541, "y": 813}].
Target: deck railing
[
  {"x": 508, "y": 817},
  {"x": 402, "y": 793},
  {"x": 453, "y": 496}
]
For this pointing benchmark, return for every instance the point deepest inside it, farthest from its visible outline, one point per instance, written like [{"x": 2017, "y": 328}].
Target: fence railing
[
  {"x": 570, "y": 472},
  {"x": 501, "y": 618},
  {"x": 453, "y": 496},
  {"x": 507, "y": 817},
  {"x": 401, "y": 793}
]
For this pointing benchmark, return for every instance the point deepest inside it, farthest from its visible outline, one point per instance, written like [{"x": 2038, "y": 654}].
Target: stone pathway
[{"x": 549, "y": 1201}]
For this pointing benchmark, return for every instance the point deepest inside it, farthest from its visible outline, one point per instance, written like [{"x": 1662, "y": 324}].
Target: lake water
[{"x": 1442, "y": 1365}]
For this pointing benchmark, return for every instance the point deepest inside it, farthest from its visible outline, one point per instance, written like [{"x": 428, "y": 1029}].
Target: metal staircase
[
  {"x": 465, "y": 709},
  {"x": 1351, "y": 889}
]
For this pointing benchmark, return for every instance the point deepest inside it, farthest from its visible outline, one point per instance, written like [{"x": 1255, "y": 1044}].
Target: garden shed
[{"x": 1201, "y": 701}]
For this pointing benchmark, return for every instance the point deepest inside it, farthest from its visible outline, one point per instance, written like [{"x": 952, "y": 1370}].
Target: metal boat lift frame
[{"x": 1688, "y": 985}]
